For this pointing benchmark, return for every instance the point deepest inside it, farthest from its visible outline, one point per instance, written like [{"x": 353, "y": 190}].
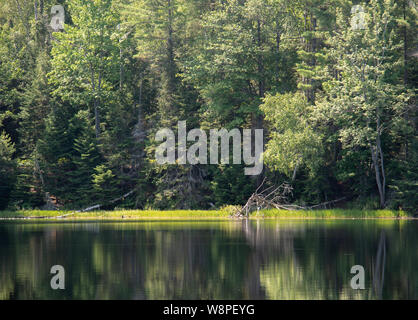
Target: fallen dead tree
[
  {"x": 90, "y": 208},
  {"x": 271, "y": 197},
  {"x": 275, "y": 198},
  {"x": 98, "y": 206}
]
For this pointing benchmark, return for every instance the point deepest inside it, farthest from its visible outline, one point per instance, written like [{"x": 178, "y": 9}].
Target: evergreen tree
[
  {"x": 85, "y": 158},
  {"x": 7, "y": 169},
  {"x": 56, "y": 153}
]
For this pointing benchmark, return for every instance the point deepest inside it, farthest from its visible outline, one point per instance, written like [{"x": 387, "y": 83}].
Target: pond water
[{"x": 265, "y": 259}]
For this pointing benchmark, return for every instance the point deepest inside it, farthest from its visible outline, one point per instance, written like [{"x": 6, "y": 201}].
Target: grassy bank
[
  {"x": 205, "y": 214},
  {"x": 118, "y": 214},
  {"x": 334, "y": 214}
]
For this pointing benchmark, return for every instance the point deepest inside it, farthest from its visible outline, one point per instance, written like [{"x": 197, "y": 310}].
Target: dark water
[{"x": 210, "y": 260}]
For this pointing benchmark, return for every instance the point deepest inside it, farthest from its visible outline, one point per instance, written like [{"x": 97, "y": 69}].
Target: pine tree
[
  {"x": 104, "y": 184},
  {"x": 7, "y": 169},
  {"x": 56, "y": 152},
  {"x": 85, "y": 158}
]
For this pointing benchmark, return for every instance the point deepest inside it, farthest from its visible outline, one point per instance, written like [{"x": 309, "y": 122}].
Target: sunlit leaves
[{"x": 293, "y": 143}]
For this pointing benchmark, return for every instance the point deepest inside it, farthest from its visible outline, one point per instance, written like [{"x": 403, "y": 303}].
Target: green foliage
[
  {"x": 27, "y": 190},
  {"x": 237, "y": 58},
  {"x": 405, "y": 183},
  {"x": 293, "y": 142},
  {"x": 86, "y": 157},
  {"x": 80, "y": 108},
  {"x": 104, "y": 183},
  {"x": 7, "y": 169},
  {"x": 231, "y": 186},
  {"x": 363, "y": 103}
]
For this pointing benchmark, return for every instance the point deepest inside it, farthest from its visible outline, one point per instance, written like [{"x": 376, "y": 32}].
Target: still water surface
[{"x": 268, "y": 259}]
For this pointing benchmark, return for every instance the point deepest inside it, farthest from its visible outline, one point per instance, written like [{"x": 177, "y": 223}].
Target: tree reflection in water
[{"x": 263, "y": 259}]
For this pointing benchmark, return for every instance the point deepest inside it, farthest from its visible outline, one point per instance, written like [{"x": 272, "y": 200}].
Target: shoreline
[{"x": 200, "y": 215}]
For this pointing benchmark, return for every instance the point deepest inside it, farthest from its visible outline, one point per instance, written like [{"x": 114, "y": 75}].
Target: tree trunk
[
  {"x": 295, "y": 170},
  {"x": 383, "y": 175},
  {"x": 170, "y": 50},
  {"x": 405, "y": 71},
  {"x": 405, "y": 48},
  {"x": 278, "y": 40},
  {"x": 261, "y": 83},
  {"x": 96, "y": 118},
  {"x": 378, "y": 163},
  {"x": 120, "y": 67},
  {"x": 313, "y": 62},
  {"x": 35, "y": 5}
]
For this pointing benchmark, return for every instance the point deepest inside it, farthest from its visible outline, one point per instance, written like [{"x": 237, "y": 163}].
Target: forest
[{"x": 84, "y": 90}]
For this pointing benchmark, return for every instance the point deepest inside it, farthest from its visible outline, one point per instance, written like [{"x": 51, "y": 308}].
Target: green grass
[
  {"x": 207, "y": 214},
  {"x": 120, "y": 214},
  {"x": 30, "y": 213},
  {"x": 333, "y": 214}
]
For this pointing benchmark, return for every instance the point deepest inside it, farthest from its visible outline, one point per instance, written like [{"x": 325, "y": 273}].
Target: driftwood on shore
[
  {"x": 271, "y": 197},
  {"x": 275, "y": 198},
  {"x": 96, "y": 206}
]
